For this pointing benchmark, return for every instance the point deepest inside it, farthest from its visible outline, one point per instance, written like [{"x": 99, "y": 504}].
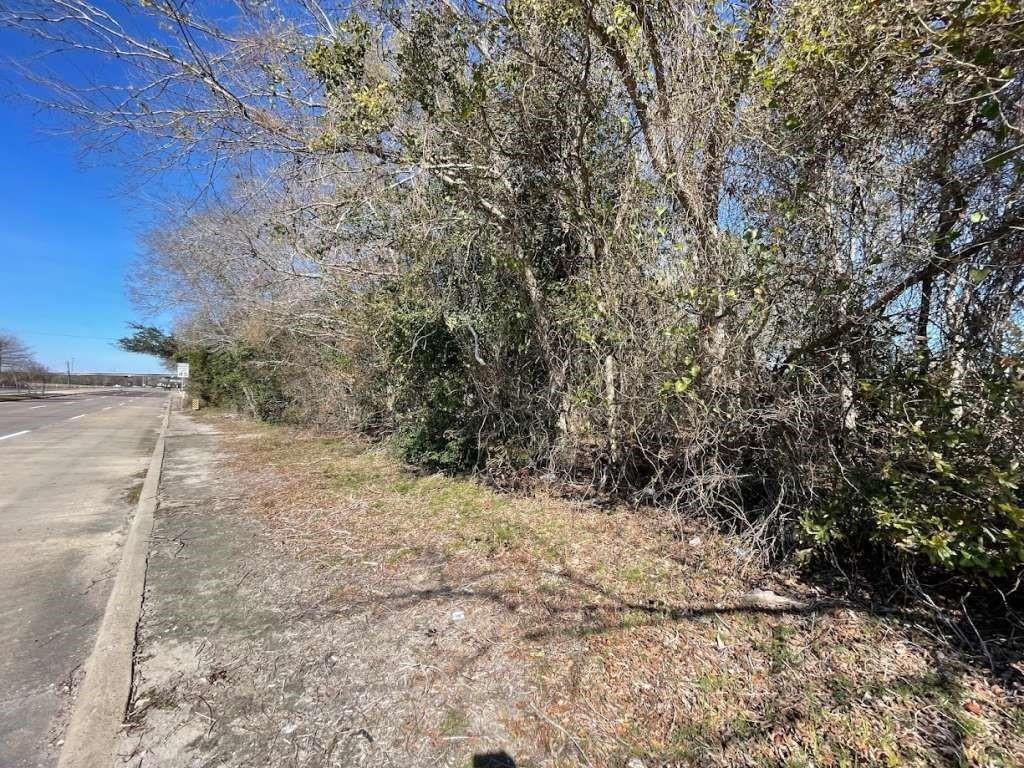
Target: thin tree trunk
[
  {"x": 846, "y": 403},
  {"x": 957, "y": 296},
  {"x": 842, "y": 260},
  {"x": 557, "y": 369},
  {"x": 610, "y": 394},
  {"x": 924, "y": 312},
  {"x": 949, "y": 210}
]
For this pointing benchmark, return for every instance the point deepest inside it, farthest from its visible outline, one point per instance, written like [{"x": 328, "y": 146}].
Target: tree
[
  {"x": 149, "y": 340},
  {"x": 15, "y": 355},
  {"x": 756, "y": 259}
]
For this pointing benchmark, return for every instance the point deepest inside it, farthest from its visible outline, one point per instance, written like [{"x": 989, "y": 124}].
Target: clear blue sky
[{"x": 67, "y": 239}]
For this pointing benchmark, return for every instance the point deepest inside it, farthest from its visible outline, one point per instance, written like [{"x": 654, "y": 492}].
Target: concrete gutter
[{"x": 99, "y": 710}]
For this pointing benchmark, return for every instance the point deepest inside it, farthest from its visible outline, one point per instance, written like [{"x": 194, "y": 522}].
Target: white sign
[{"x": 182, "y": 370}]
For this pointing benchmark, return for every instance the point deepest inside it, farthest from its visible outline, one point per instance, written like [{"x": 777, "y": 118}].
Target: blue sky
[
  {"x": 68, "y": 234},
  {"x": 67, "y": 239}
]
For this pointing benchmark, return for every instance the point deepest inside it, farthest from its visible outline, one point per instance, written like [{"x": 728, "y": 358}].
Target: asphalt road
[{"x": 67, "y": 466}]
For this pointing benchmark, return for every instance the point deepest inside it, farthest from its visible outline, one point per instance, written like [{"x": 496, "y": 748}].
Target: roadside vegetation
[{"x": 753, "y": 265}]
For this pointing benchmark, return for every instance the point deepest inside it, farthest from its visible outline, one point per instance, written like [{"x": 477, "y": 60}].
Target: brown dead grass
[{"x": 633, "y": 637}]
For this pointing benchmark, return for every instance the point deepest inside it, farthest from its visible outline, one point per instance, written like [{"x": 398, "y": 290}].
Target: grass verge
[{"x": 635, "y": 642}]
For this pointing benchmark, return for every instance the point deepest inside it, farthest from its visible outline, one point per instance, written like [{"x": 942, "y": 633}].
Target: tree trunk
[
  {"x": 842, "y": 260},
  {"x": 957, "y": 296},
  {"x": 609, "y": 394},
  {"x": 924, "y": 312},
  {"x": 846, "y": 403},
  {"x": 557, "y": 369}
]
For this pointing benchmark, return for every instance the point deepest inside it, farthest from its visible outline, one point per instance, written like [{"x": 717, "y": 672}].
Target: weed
[
  {"x": 709, "y": 682},
  {"x": 400, "y": 554},
  {"x": 133, "y": 494},
  {"x": 406, "y": 485},
  {"x": 842, "y": 689},
  {"x": 499, "y": 537},
  {"x": 634, "y": 573},
  {"x": 690, "y": 742},
  {"x": 634, "y": 618},
  {"x": 347, "y": 479},
  {"x": 455, "y": 722},
  {"x": 1017, "y": 720},
  {"x": 778, "y": 649}
]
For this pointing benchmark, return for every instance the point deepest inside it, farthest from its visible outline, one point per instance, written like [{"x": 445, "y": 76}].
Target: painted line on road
[
  {"x": 15, "y": 434},
  {"x": 36, "y": 406},
  {"x": 76, "y": 417},
  {"x": 108, "y": 408}
]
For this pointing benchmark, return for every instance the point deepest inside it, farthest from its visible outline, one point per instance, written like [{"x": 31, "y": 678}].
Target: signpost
[{"x": 182, "y": 375}]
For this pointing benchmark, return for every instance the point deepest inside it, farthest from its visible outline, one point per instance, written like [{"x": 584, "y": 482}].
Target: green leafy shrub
[
  {"x": 940, "y": 476},
  {"x": 429, "y": 390},
  {"x": 235, "y": 377}
]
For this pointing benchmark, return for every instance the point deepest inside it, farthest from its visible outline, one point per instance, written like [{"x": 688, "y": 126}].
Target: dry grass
[{"x": 631, "y": 639}]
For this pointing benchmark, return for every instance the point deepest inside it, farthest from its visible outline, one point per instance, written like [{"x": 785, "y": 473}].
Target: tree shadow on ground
[
  {"x": 983, "y": 629},
  {"x": 585, "y": 607},
  {"x": 581, "y": 607}
]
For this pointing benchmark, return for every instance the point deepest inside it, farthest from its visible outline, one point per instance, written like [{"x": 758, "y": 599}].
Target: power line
[{"x": 66, "y": 336}]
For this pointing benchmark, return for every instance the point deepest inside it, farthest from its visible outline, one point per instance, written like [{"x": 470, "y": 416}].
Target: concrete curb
[{"x": 99, "y": 709}]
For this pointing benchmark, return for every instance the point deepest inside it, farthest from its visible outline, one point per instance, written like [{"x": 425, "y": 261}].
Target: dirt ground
[{"x": 312, "y": 602}]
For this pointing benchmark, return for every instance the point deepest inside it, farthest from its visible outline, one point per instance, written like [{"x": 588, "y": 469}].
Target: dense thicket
[{"x": 759, "y": 260}]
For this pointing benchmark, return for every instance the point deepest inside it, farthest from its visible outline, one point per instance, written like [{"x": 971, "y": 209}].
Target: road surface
[{"x": 67, "y": 467}]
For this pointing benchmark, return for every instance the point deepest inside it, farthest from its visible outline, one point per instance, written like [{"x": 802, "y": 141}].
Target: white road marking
[
  {"x": 15, "y": 434},
  {"x": 36, "y": 406},
  {"x": 108, "y": 408},
  {"x": 76, "y": 417}
]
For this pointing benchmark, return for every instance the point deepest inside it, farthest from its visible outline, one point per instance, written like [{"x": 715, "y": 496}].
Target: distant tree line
[{"x": 759, "y": 260}]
